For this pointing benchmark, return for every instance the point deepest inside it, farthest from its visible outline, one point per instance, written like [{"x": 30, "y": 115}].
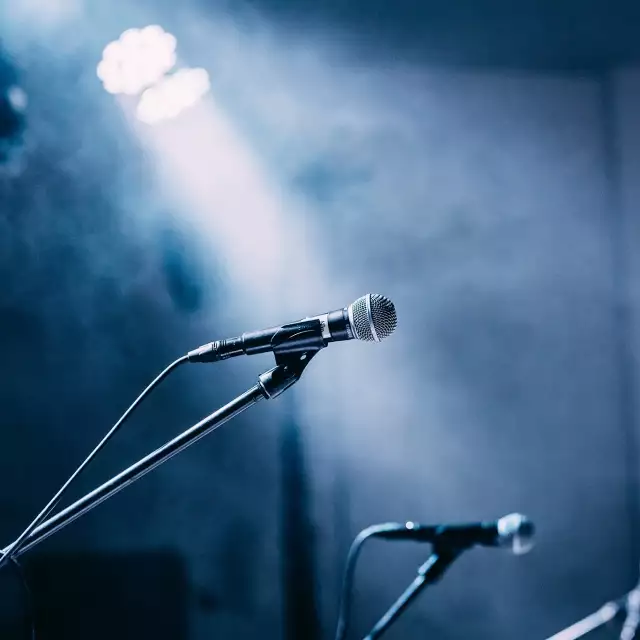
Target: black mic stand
[
  {"x": 430, "y": 572},
  {"x": 292, "y": 353}
]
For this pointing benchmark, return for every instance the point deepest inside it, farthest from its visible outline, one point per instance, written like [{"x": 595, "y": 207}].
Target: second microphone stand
[
  {"x": 629, "y": 604},
  {"x": 430, "y": 572}
]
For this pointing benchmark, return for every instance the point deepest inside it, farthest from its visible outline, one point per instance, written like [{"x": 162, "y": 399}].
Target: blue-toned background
[{"x": 478, "y": 163}]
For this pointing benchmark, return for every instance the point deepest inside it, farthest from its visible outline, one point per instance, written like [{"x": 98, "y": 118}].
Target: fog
[{"x": 317, "y": 170}]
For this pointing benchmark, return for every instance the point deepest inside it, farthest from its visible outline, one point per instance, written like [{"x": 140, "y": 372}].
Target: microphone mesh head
[
  {"x": 373, "y": 317},
  {"x": 516, "y": 532}
]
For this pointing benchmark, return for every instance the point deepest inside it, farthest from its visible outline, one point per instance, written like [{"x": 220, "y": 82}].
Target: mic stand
[
  {"x": 630, "y": 626},
  {"x": 590, "y": 623},
  {"x": 629, "y": 603},
  {"x": 293, "y": 353},
  {"x": 429, "y": 573}
]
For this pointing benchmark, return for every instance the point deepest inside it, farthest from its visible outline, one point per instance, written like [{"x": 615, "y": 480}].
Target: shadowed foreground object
[{"x": 71, "y": 608}]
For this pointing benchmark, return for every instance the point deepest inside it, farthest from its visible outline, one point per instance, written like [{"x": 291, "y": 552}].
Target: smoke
[
  {"x": 473, "y": 200},
  {"x": 442, "y": 190},
  {"x": 313, "y": 175}
]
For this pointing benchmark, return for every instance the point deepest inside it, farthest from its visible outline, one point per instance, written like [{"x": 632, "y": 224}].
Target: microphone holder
[
  {"x": 441, "y": 558},
  {"x": 629, "y": 603},
  {"x": 291, "y": 360},
  {"x": 590, "y": 623}
]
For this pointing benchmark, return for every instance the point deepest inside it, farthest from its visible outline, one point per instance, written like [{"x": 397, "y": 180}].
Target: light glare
[
  {"x": 172, "y": 95},
  {"x": 137, "y": 60}
]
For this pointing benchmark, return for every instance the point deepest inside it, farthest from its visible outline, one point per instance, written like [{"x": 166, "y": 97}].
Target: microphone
[
  {"x": 371, "y": 318},
  {"x": 513, "y": 532}
]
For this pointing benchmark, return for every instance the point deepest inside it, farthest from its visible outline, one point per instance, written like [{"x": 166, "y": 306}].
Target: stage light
[
  {"x": 172, "y": 95},
  {"x": 137, "y": 60}
]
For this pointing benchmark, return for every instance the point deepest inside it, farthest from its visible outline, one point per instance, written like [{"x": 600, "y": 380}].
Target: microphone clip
[
  {"x": 293, "y": 347},
  {"x": 296, "y": 339}
]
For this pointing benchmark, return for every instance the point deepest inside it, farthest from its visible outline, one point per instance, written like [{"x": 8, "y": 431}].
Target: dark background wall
[
  {"x": 495, "y": 206},
  {"x": 502, "y": 391}
]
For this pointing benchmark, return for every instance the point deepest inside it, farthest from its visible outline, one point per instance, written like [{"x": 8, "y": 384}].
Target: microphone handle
[{"x": 289, "y": 338}]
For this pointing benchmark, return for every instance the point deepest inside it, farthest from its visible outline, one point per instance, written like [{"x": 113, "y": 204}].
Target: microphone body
[
  {"x": 370, "y": 318},
  {"x": 514, "y": 532}
]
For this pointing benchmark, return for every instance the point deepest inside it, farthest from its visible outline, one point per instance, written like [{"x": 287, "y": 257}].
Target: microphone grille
[
  {"x": 516, "y": 532},
  {"x": 373, "y": 317}
]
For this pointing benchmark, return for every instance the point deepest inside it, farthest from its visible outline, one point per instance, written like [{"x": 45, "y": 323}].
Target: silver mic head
[
  {"x": 516, "y": 532},
  {"x": 372, "y": 317}
]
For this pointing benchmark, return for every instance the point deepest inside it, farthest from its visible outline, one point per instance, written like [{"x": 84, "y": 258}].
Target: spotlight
[
  {"x": 137, "y": 60},
  {"x": 172, "y": 95}
]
